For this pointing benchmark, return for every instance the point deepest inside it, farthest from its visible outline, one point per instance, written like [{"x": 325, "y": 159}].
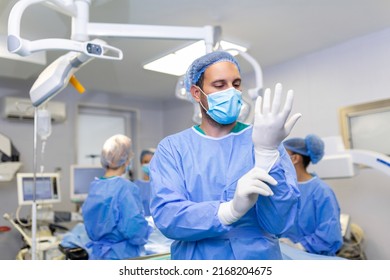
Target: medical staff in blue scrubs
[
  {"x": 144, "y": 182},
  {"x": 113, "y": 213},
  {"x": 317, "y": 229},
  {"x": 225, "y": 189}
]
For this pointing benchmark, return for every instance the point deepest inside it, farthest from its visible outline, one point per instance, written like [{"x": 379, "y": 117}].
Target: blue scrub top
[
  {"x": 317, "y": 226},
  {"x": 192, "y": 173},
  {"x": 144, "y": 189},
  {"x": 114, "y": 219}
]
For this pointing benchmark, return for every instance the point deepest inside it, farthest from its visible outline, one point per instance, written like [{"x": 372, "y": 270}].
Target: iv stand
[{"x": 34, "y": 204}]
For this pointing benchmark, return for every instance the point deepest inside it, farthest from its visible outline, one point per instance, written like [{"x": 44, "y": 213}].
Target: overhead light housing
[
  {"x": 176, "y": 63},
  {"x": 181, "y": 91}
]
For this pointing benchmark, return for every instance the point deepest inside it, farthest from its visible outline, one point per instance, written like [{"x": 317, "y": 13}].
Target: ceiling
[{"x": 274, "y": 31}]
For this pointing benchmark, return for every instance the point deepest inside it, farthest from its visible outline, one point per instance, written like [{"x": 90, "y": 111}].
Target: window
[
  {"x": 366, "y": 126},
  {"x": 95, "y": 124}
]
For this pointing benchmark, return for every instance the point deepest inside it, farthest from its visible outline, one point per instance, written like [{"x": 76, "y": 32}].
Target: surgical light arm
[
  {"x": 257, "y": 90},
  {"x": 25, "y": 47},
  {"x": 82, "y": 29},
  {"x": 210, "y": 34},
  {"x": 57, "y": 75},
  {"x": 78, "y": 9}
]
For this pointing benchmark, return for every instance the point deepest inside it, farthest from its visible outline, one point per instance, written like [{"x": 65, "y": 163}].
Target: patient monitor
[
  {"x": 81, "y": 177},
  {"x": 46, "y": 191}
]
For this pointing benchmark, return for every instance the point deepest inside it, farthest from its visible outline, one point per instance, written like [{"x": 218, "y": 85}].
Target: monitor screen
[
  {"x": 47, "y": 188},
  {"x": 80, "y": 179}
]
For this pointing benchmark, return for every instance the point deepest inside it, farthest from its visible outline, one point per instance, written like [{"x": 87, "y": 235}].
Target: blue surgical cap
[
  {"x": 312, "y": 146},
  {"x": 149, "y": 151},
  {"x": 200, "y": 65}
]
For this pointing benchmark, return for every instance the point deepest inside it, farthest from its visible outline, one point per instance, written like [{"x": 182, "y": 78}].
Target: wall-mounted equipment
[{"x": 15, "y": 108}]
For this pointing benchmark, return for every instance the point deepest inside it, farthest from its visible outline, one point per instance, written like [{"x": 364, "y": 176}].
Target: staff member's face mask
[
  {"x": 224, "y": 106},
  {"x": 145, "y": 168}
]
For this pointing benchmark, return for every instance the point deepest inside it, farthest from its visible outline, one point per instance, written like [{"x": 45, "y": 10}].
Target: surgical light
[
  {"x": 244, "y": 112},
  {"x": 181, "y": 91},
  {"x": 176, "y": 63},
  {"x": 56, "y": 77},
  {"x": 233, "y": 49}
]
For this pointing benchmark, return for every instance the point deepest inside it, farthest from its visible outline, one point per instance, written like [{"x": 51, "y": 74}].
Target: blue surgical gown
[
  {"x": 114, "y": 219},
  {"x": 144, "y": 188},
  {"x": 318, "y": 226},
  {"x": 191, "y": 174}
]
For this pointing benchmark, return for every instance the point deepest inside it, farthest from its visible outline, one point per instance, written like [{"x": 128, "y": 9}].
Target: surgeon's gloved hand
[
  {"x": 249, "y": 187},
  {"x": 270, "y": 126}
]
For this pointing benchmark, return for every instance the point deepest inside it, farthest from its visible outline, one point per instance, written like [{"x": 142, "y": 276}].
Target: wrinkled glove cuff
[
  {"x": 226, "y": 213},
  {"x": 265, "y": 159}
]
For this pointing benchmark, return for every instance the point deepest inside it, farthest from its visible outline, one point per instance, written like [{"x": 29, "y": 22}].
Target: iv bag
[{"x": 44, "y": 123}]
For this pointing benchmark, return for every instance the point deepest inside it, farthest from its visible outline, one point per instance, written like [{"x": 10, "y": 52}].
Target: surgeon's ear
[
  {"x": 295, "y": 158},
  {"x": 195, "y": 92}
]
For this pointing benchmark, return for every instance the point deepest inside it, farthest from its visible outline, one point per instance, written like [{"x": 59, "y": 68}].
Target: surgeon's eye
[
  {"x": 237, "y": 84},
  {"x": 219, "y": 85}
]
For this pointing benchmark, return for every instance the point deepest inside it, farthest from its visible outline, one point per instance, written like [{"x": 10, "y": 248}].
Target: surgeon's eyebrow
[{"x": 222, "y": 82}]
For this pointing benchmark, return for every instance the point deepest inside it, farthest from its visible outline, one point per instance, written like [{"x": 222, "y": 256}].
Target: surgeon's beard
[{"x": 208, "y": 119}]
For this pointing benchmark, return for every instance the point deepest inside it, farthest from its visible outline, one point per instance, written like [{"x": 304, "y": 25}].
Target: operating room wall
[
  {"x": 177, "y": 116},
  {"x": 354, "y": 72}
]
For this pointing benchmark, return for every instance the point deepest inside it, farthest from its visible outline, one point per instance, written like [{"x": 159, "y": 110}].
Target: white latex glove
[
  {"x": 249, "y": 187},
  {"x": 270, "y": 126}
]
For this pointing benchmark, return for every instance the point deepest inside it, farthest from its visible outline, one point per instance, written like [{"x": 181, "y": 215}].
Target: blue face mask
[
  {"x": 145, "y": 168},
  {"x": 129, "y": 166},
  {"x": 224, "y": 106}
]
